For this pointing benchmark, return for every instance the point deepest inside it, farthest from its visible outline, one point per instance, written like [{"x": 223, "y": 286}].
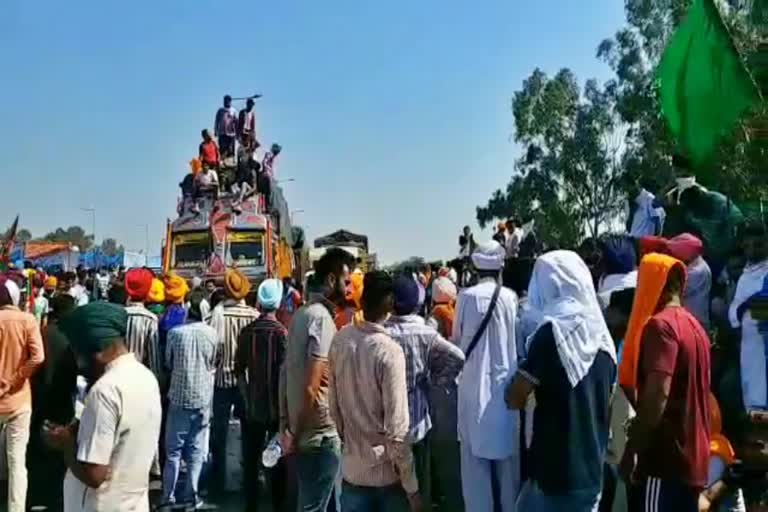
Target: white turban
[
  {"x": 443, "y": 290},
  {"x": 13, "y": 291},
  {"x": 489, "y": 256}
]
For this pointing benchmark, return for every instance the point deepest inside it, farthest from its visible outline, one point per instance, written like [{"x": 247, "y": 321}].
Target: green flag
[{"x": 703, "y": 84}]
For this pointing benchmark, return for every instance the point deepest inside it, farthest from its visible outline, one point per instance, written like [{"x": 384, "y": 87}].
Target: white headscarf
[
  {"x": 13, "y": 291},
  {"x": 489, "y": 256},
  {"x": 561, "y": 293}
]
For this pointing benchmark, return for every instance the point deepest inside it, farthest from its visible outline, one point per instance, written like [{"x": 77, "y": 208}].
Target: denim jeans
[
  {"x": 533, "y": 499},
  {"x": 224, "y": 400},
  {"x": 355, "y": 498},
  {"x": 317, "y": 470},
  {"x": 186, "y": 434}
]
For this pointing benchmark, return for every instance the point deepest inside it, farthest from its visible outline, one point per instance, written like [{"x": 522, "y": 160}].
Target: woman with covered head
[
  {"x": 618, "y": 263},
  {"x": 571, "y": 368}
]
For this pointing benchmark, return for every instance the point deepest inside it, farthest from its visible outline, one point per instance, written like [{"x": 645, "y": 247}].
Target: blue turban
[
  {"x": 618, "y": 255},
  {"x": 406, "y": 295},
  {"x": 94, "y": 327},
  {"x": 270, "y": 294}
]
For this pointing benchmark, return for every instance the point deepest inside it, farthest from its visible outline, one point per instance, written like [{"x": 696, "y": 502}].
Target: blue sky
[{"x": 394, "y": 116}]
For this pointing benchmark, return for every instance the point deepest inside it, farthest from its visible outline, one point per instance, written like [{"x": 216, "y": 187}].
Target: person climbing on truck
[
  {"x": 209, "y": 151},
  {"x": 225, "y": 127}
]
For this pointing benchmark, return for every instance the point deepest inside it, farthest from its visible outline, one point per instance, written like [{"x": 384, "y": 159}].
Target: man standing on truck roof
[
  {"x": 225, "y": 127},
  {"x": 209, "y": 151},
  {"x": 246, "y": 126}
]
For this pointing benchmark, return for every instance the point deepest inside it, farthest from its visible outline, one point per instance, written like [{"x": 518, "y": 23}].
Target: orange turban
[
  {"x": 156, "y": 293},
  {"x": 195, "y": 166},
  {"x": 51, "y": 283},
  {"x": 651, "y": 280},
  {"x": 176, "y": 289},
  {"x": 355, "y": 290},
  {"x": 138, "y": 282},
  {"x": 236, "y": 284}
]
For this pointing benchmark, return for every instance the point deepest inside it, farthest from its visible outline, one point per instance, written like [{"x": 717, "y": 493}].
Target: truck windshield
[
  {"x": 246, "y": 249},
  {"x": 191, "y": 251}
]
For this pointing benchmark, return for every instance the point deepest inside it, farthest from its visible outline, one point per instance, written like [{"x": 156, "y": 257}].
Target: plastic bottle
[{"x": 272, "y": 453}]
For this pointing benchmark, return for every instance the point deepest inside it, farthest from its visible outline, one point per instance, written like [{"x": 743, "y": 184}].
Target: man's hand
[
  {"x": 58, "y": 437},
  {"x": 287, "y": 442},
  {"x": 704, "y": 503},
  {"x": 414, "y": 502}
]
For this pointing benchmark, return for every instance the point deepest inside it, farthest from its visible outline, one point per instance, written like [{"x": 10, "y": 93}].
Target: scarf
[
  {"x": 651, "y": 280},
  {"x": 561, "y": 293}
]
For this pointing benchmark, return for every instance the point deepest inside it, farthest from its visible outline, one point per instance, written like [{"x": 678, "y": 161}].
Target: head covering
[
  {"x": 618, "y": 255},
  {"x": 195, "y": 166},
  {"x": 651, "y": 280},
  {"x": 270, "y": 294},
  {"x": 236, "y": 284},
  {"x": 685, "y": 247},
  {"x": 406, "y": 291},
  {"x": 138, "y": 282},
  {"x": 156, "y": 293},
  {"x": 561, "y": 293},
  {"x": 94, "y": 327},
  {"x": 176, "y": 289},
  {"x": 356, "y": 287},
  {"x": 443, "y": 291},
  {"x": 10, "y": 294},
  {"x": 489, "y": 256},
  {"x": 453, "y": 275},
  {"x": 649, "y": 244},
  {"x": 51, "y": 283},
  {"x": 196, "y": 282}
]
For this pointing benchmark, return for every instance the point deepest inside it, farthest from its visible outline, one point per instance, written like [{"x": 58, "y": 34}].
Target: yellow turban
[
  {"x": 176, "y": 289},
  {"x": 156, "y": 293},
  {"x": 51, "y": 283},
  {"x": 236, "y": 284},
  {"x": 356, "y": 287}
]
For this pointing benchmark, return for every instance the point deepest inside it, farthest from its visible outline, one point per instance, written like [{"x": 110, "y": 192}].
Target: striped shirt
[
  {"x": 228, "y": 322},
  {"x": 190, "y": 356},
  {"x": 141, "y": 337},
  {"x": 260, "y": 354},
  {"x": 369, "y": 402},
  {"x": 429, "y": 359}
]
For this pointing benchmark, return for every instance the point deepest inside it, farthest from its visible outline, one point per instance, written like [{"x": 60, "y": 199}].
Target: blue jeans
[
  {"x": 224, "y": 400},
  {"x": 317, "y": 469},
  {"x": 186, "y": 436},
  {"x": 355, "y": 498},
  {"x": 533, "y": 499}
]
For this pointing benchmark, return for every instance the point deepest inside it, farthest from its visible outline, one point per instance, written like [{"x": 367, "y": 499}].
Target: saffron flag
[{"x": 703, "y": 85}]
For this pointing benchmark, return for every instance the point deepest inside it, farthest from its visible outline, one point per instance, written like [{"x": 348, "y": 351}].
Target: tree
[
  {"x": 23, "y": 235},
  {"x": 110, "y": 247},
  {"x": 73, "y": 234},
  {"x": 570, "y": 172},
  {"x": 633, "y": 53}
]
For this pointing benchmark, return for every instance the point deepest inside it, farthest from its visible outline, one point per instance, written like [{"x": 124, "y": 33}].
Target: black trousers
[{"x": 256, "y": 435}]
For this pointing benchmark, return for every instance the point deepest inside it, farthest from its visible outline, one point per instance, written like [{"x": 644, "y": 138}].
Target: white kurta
[{"x": 485, "y": 424}]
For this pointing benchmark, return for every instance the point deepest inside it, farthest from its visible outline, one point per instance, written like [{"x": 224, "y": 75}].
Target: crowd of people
[
  {"x": 227, "y": 161},
  {"x": 627, "y": 374}
]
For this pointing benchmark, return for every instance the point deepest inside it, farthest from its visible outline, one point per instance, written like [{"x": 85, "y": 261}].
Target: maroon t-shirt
[{"x": 675, "y": 344}]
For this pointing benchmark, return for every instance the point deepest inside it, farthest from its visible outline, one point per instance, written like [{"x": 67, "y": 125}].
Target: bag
[{"x": 484, "y": 323}]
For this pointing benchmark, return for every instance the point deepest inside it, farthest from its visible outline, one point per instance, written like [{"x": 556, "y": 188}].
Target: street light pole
[{"x": 293, "y": 212}]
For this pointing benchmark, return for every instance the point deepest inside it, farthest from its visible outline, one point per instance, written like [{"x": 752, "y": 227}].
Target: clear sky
[{"x": 394, "y": 117}]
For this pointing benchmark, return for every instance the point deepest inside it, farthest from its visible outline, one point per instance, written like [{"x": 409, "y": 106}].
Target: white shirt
[
  {"x": 512, "y": 244},
  {"x": 646, "y": 216},
  {"x": 485, "y": 423},
  {"x": 207, "y": 179},
  {"x": 120, "y": 427},
  {"x": 80, "y": 294}
]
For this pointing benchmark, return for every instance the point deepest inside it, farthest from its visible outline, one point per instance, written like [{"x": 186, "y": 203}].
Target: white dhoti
[{"x": 483, "y": 481}]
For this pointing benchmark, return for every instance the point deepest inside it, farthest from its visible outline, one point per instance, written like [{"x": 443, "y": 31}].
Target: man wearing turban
[
  {"x": 260, "y": 354},
  {"x": 175, "y": 314},
  {"x": 22, "y": 354},
  {"x": 141, "y": 335},
  {"x": 228, "y": 323},
  {"x": 123, "y": 403}
]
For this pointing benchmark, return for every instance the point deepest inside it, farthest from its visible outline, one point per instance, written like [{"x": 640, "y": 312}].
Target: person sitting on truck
[
  {"x": 206, "y": 183},
  {"x": 247, "y": 172},
  {"x": 209, "y": 151},
  {"x": 225, "y": 127}
]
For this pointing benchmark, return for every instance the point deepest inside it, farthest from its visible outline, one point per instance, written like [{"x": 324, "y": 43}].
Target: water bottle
[{"x": 272, "y": 453}]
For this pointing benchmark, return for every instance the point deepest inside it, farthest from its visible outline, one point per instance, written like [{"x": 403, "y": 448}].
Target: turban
[
  {"x": 94, "y": 327},
  {"x": 355, "y": 290},
  {"x": 618, "y": 255},
  {"x": 236, "y": 284},
  {"x": 443, "y": 291},
  {"x": 685, "y": 247},
  {"x": 195, "y": 165},
  {"x": 176, "y": 289},
  {"x": 138, "y": 282},
  {"x": 649, "y": 244},
  {"x": 489, "y": 256},
  {"x": 10, "y": 294},
  {"x": 51, "y": 283},
  {"x": 156, "y": 293},
  {"x": 651, "y": 280},
  {"x": 270, "y": 294},
  {"x": 406, "y": 291}
]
